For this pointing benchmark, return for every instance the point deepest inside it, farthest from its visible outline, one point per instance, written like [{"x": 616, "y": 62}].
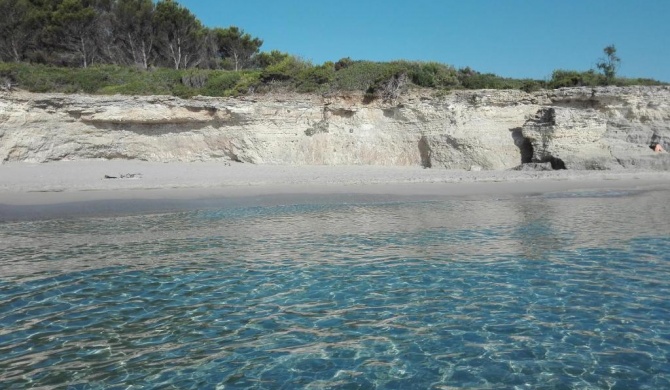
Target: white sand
[{"x": 25, "y": 184}]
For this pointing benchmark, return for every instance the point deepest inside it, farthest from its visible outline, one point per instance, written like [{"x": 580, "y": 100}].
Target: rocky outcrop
[
  {"x": 603, "y": 128},
  {"x": 562, "y": 134}
]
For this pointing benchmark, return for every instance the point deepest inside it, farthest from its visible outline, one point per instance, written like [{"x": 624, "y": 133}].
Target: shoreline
[{"x": 79, "y": 188}]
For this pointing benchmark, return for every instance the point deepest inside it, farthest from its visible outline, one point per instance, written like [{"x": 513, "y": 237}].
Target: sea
[{"x": 563, "y": 290}]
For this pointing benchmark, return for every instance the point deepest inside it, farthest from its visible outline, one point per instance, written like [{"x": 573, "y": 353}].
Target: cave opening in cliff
[
  {"x": 524, "y": 145},
  {"x": 556, "y": 163}
]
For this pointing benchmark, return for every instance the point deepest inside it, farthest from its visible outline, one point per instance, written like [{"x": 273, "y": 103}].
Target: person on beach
[{"x": 656, "y": 147}]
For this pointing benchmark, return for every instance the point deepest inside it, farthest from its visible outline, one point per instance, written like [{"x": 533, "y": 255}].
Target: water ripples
[{"x": 541, "y": 292}]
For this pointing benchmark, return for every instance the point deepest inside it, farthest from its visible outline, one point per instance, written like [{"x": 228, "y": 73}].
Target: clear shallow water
[{"x": 561, "y": 290}]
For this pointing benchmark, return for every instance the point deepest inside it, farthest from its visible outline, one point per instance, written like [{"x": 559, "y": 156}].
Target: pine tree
[{"x": 180, "y": 34}]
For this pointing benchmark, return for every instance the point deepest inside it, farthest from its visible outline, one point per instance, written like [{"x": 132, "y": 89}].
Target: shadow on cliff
[
  {"x": 524, "y": 145},
  {"x": 164, "y": 127},
  {"x": 526, "y": 151},
  {"x": 152, "y": 129},
  {"x": 425, "y": 152}
]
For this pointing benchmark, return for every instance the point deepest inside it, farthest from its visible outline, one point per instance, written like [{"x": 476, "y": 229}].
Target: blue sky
[{"x": 512, "y": 38}]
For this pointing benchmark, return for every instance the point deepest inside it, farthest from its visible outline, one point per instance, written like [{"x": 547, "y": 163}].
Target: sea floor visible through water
[{"x": 559, "y": 290}]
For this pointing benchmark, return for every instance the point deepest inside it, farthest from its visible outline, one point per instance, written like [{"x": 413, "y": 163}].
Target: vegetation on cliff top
[{"x": 144, "y": 47}]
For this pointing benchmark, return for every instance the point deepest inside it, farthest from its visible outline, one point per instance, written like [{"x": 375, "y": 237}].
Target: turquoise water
[{"x": 555, "y": 291}]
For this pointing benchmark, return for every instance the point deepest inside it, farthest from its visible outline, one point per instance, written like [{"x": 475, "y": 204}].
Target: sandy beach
[{"x": 63, "y": 188}]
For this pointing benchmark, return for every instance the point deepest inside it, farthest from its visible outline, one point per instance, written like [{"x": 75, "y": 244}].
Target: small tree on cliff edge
[{"x": 609, "y": 64}]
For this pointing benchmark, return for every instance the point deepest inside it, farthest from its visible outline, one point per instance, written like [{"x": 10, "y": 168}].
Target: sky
[{"x": 511, "y": 38}]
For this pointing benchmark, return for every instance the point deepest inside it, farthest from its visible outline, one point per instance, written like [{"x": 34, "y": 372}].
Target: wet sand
[{"x": 72, "y": 188}]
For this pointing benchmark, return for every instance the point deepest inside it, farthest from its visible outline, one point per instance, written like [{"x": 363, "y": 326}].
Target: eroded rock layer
[{"x": 585, "y": 128}]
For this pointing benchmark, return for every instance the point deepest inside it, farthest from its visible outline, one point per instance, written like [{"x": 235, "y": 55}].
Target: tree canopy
[
  {"x": 142, "y": 33},
  {"x": 609, "y": 64},
  {"x": 236, "y": 47},
  {"x": 122, "y": 38},
  {"x": 180, "y": 34}
]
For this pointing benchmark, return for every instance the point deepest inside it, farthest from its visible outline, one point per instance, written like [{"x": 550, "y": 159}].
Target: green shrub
[
  {"x": 30, "y": 77},
  {"x": 314, "y": 78},
  {"x": 249, "y": 82},
  {"x": 221, "y": 83},
  {"x": 265, "y": 59},
  {"x": 183, "y": 91},
  {"x": 362, "y": 75},
  {"x": 286, "y": 69},
  {"x": 42, "y": 78},
  {"x": 145, "y": 82},
  {"x": 488, "y": 81},
  {"x": 135, "y": 87},
  {"x": 433, "y": 75},
  {"x": 343, "y": 63},
  {"x": 572, "y": 78},
  {"x": 529, "y": 85},
  {"x": 623, "y": 82},
  {"x": 195, "y": 78},
  {"x": 383, "y": 80}
]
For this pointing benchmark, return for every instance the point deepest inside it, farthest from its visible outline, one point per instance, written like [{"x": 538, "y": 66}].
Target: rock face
[
  {"x": 603, "y": 128},
  {"x": 561, "y": 134}
]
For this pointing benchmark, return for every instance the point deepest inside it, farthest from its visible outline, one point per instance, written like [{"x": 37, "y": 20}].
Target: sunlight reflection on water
[{"x": 559, "y": 290}]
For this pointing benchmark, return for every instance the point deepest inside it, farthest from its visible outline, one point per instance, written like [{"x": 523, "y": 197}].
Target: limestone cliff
[{"x": 603, "y": 128}]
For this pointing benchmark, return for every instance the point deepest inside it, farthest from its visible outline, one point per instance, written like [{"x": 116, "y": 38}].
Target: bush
[
  {"x": 265, "y": 59},
  {"x": 42, "y": 78},
  {"x": 391, "y": 82},
  {"x": 389, "y": 89},
  {"x": 637, "y": 81},
  {"x": 532, "y": 85},
  {"x": 248, "y": 83},
  {"x": 488, "y": 81},
  {"x": 284, "y": 70},
  {"x": 183, "y": 91},
  {"x": 433, "y": 75},
  {"x": 383, "y": 80},
  {"x": 343, "y": 63},
  {"x": 221, "y": 83},
  {"x": 314, "y": 78},
  {"x": 142, "y": 82},
  {"x": 362, "y": 75},
  {"x": 195, "y": 78},
  {"x": 135, "y": 87},
  {"x": 571, "y": 78}
]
